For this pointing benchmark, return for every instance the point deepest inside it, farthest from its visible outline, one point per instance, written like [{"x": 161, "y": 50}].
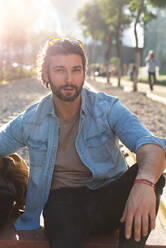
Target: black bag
[{"x": 7, "y": 194}]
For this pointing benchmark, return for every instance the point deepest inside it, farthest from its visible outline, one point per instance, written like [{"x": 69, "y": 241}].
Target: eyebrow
[
  {"x": 78, "y": 67},
  {"x": 61, "y": 66},
  {"x": 57, "y": 66}
]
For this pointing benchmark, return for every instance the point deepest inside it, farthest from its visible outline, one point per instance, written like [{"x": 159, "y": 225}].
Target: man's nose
[{"x": 68, "y": 77}]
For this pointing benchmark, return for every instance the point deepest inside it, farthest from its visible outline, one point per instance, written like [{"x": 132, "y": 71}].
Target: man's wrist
[
  {"x": 147, "y": 176},
  {"x": 144, "y": 181}
]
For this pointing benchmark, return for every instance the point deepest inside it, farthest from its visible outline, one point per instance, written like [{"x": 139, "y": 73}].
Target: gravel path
[{"x": 16, "y": 96}]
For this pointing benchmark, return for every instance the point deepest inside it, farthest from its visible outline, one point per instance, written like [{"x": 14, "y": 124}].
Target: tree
[
  {"x": 94, "y": 25},
  {"x": 105, "y": 20},
  {"x": 157, "y": 3},
  {"x": 114, "y": 15}
]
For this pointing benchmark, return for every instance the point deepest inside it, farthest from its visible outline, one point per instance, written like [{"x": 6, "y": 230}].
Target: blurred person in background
[{"x": 151, "y": 63}]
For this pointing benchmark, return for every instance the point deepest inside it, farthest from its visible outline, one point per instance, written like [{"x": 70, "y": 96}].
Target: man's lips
[{"x": 68, "y": 88}]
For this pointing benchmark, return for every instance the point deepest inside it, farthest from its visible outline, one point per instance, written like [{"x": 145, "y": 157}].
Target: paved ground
[
  {"x": 158, "y": 94},
  {"x": 151, "y": 113}
]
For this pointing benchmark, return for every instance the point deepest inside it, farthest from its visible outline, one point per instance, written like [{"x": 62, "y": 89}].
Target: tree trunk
[
  {"x": 107, "y": 56},
  {"x": 21, "y": 59},
  {"x": 136, "y": 71},
  {"x": 137, "y": 49},
  {"x": 119, "y": 62},
  {"x": 137, "y": 65},
  {"x": 117, "y": 34}
]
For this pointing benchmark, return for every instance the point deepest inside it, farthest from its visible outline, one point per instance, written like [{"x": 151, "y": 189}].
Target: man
[
  {"x": 151, "y": 63},
  {"x": 78, "y": 176}
]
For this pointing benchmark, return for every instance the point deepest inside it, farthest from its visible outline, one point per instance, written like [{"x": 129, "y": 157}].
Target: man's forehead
[{"x": 66, "y": 59}]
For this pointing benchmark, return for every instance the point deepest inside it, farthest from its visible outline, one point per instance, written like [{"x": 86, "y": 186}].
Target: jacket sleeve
[
  {"x": 130, "y": 130},
  {"x": 11, "y": 136}
]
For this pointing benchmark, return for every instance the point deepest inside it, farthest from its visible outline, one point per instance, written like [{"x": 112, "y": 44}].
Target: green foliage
[
  {"x": 139, "y": 11},
  {"x": 147, "y": 17},
  {"x": 92, "y": 22},
  {"x": 157, "y": 3},
  {"x": 114, "y": 61},
  {"x": 100, "y": 17},
  {"x": 17, "y": 73},
  {"x": 114, "y": 14},
  {"x": 146, "y": 8},
  {"x": 135, "y": 5}
]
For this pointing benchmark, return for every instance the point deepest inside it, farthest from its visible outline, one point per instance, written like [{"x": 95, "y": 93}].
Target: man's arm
[
  {"x": 151, "y": 161},
  {"x": 11, "y": 136},
  {"x": 141, "y": 203}
]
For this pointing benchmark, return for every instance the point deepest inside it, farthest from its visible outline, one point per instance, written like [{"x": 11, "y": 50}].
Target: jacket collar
[{"x": 47, "y": 107}]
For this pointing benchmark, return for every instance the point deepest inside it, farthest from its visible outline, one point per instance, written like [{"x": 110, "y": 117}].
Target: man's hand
[{"x": 139, "y": 211}]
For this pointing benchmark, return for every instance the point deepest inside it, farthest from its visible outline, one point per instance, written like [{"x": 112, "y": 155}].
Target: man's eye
[
  {"x": 59, "y": 70},
  {"x": 77, "y": 69}
]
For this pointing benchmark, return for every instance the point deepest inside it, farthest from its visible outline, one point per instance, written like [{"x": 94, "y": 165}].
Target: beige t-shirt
[{"x": 69, "y": 170}]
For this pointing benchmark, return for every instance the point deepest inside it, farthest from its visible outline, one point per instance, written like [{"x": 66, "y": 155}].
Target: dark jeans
[
  {"x": 71, "y": 215},
  {"x": 152, "y": 79}
]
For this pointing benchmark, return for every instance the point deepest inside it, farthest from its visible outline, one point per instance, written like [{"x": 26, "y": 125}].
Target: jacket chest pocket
[
  {"x": 99, "y": 147},
  {"x": 97, "y": 140},
  {"x": 37, "y": 152}
]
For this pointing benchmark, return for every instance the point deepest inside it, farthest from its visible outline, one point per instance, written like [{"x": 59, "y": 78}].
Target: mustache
[{"x": 68, "y": 86}]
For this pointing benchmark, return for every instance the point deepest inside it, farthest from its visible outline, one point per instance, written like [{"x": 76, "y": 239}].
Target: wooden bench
[{"x": 9, "y": 238}]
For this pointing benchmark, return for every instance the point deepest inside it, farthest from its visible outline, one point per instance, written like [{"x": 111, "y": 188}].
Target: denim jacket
[{"x": 103, "y": 121}]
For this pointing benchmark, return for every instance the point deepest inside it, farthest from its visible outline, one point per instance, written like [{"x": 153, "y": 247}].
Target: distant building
[{"x": 155, "y": 39}]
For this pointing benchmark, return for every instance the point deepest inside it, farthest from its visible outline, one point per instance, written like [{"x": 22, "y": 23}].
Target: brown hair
[{"x": 66, "y": 47}]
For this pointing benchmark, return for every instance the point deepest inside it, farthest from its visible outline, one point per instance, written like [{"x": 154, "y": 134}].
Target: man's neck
[{"x": 66, "y": 110}]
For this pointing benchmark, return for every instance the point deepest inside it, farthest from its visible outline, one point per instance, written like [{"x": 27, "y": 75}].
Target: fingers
[
  {"x": 148, "y": 222},
  {"x": 128, "y": 226},
  {"x": 137, "y": 228},
  {"x": 124, "y": 214},
  {"x": 136, "y": 222},
  {"x": 152, "y": 219},
  {"x": 140, "y": 212},
  {"x": 139, "y": 222},
  {"x": 128, "y": 219},
  {"x": 145, "y": 225}
]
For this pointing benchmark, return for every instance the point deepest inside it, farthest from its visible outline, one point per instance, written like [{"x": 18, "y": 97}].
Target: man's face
[{"x": 66, "y": 76}]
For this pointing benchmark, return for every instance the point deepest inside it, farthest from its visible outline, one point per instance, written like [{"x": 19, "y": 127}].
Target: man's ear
[{"x": 45, "y": 75}]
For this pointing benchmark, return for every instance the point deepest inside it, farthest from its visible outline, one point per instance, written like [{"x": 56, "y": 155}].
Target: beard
[{"x": 66, "y": 98}]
